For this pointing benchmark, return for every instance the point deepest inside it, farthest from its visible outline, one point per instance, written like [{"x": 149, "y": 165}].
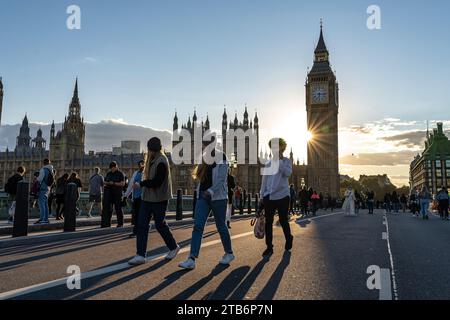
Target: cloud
[
  {"x": 100, "y": 136},
  {"x": 89, "y": 60},
  {"x": 379, "y": 159}
]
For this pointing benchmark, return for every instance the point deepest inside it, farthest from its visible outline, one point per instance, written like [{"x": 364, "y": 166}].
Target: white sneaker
[
  {"x": 172, "y": 254},
  {"x": 137, "y": 260},
  {"x": 188, "y": 264},
  {"x": 226, "y": 259}
]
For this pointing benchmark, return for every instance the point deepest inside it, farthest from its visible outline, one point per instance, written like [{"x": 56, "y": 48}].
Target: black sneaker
[
  {"x": 131, "y": 236},
  {"x": 38, "y": 222},
  {"x": 268, "y": 252},
  {"x": 289, "y": 243}
]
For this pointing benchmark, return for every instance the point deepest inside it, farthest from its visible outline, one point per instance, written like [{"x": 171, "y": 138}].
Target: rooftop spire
[
  {"x": 321, "y": 47},
  {"x": 75, "y": 92}
]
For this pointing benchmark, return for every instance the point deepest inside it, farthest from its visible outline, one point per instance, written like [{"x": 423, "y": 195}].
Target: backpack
[{"x": 50, "y": 178}]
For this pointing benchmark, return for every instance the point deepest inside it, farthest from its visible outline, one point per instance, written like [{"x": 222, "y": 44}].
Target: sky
[{"x": 138, "y": 61}]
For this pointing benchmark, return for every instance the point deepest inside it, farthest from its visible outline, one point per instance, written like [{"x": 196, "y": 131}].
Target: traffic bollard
[
  {"x": 179, "y": 215},
  {"x": 70, "y": 208},
  {"x": 20, "y": 227}
]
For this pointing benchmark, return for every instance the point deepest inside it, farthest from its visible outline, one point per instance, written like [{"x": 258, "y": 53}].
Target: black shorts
[{"x": 95, "y": 198}]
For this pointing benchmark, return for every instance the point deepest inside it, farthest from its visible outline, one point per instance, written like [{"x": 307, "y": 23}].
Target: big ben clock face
[{"x": 319, "y": 93}]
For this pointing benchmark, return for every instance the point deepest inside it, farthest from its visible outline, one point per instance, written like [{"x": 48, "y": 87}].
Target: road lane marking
[
  {"x": 319, "y": 217},
  {"x": 386, "y": 287},
  {"x": 95, "y": 273},
  {"x": 384, "y": 236},
  {"x": 391, "y": 258},
  {"x": 121, "y": 266}
]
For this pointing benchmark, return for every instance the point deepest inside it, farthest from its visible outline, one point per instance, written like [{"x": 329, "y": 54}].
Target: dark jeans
[
  {"x": 443, "y": 208},
  {"x": 270, "y": 207},
  {"x": 135, "y": 214},
  {"x": 292, "y": 206},
  {"x": 370, "y": 206},
  {"x": 158, "y": 211},
  {"x": 112, "y": 199}
]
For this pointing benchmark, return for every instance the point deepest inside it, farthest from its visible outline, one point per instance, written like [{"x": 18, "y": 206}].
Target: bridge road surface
[{"x": 329, "y": 260}]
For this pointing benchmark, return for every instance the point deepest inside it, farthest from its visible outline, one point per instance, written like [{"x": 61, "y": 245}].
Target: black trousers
[
  {"x": 112, "y": 199},
  {"x": 135, "y": 214},
  {"x": 443, "y": 208},
  {"x": 60, "y": 205},
  {"x": 270, "y": 208}
]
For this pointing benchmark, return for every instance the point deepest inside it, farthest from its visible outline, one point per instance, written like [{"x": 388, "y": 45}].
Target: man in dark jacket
[
  {"x": 114, "y": 183},
  {"x": 304, "y": 200},
  {"x": 11, "y": 189}
]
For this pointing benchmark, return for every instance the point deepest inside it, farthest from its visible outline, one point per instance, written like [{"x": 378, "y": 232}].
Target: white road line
[
  {"x": 386, "y": 288},
  {"x": 118, "y": 267},
  {"x": 394, "y": 283},
  {"x": 320, "y": 217},
  {"x": 384, "y": 236},
  {"x": 90, "y": 274}
]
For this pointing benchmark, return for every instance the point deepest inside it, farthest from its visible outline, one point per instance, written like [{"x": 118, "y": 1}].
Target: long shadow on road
[
  {"x": 186, "y": 294},
  {"x": 270, "y": 289}
]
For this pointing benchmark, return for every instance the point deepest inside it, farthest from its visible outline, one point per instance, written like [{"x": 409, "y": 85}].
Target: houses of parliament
[{"x": 66, "y": 148}]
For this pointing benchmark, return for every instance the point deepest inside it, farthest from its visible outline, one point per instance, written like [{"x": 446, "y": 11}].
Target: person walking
[
  {"x": 395, "y": 201},
  {"x": 45, "y": 180},
  {"x": 112, "y": 197},
  {"x": 349, "y": 203},
  {"x": 156, "y": 187},
  {"x": 387, "y": 203},
  {"x": 11, "y": 190},
  {"x": 96, "y": 184},
  {"x": 212, "y": 189},
  {"x": 424, "y": 201},
  {"x": 293, "y": 199},
  {"x": 136, "y": 194},
  {"x": 315, "y": 202},
  {"x": 443, "y": 200},
  {"x": 231, "y": 184},
  {"x": 61, "y": 189},
  {"x": 275, "y": 194},
  {"x": 370, "y": 201},
  {"x": 414, "y": 202},
  {"x": 73, "y": 178},
  {"x": 403, "y": 202},
  {"x": 358, "y": 201},
  {"x": 304, "y": 199}
]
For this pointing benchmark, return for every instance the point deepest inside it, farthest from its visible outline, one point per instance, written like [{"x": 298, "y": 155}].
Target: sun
[{"x": 309, "y": 136}]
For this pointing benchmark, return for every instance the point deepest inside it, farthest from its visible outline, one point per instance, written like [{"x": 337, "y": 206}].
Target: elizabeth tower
[{"x": 322, "y": 106}]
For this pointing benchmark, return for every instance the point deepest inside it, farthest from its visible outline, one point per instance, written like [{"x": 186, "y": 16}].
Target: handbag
[{"x": 259, "y": 225}]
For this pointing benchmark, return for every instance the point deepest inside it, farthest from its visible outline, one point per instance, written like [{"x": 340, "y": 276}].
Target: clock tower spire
[{"x": 322, "y": 106}]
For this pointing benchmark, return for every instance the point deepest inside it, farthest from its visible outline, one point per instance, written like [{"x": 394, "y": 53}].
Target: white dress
[{"x": 349, "y": 204}]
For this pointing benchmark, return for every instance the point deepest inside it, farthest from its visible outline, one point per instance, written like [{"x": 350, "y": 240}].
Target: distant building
[
  {"x": 432, "y": 167},
  {"x": 127, "y": 147}
]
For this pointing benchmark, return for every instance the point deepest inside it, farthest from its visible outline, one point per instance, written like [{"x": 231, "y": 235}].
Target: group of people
[
  {"x": 151, "y": 189},
  {"x": 46, "y": 188},
  {"x": 309, "y": 201},
  {"x": 419, "y": 202}
]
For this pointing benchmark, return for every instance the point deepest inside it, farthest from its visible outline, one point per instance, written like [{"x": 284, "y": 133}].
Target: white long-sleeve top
[{"x": 276, "y": 184}]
